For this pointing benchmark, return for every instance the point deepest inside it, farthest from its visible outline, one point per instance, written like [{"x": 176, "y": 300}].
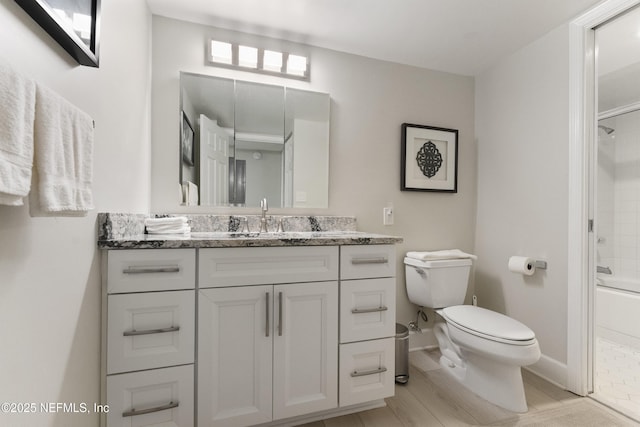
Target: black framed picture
[
  {"x": 429, "y": 159},
  {"x": 187, "y": 141},
  {"x": 74, "y": 24}
]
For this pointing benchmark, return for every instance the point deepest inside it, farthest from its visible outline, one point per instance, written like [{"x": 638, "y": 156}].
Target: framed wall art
[
  {"x": 187, "y": 141},
  {"x": 429, "y": 159},
  {"x": 74, "y": 24}
]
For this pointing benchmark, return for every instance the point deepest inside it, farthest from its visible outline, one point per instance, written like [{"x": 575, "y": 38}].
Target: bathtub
[{"x": 617, "y": 308}]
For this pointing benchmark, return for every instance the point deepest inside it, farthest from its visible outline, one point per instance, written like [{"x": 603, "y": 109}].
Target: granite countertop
[
  {"x": 235, "y": 239},
  {"x": 124, "y": 231}
]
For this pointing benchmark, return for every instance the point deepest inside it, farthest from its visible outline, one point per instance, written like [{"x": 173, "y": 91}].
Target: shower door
[{"x": 616, "y": 338}]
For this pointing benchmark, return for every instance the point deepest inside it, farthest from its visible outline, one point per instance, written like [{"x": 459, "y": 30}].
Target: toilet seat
[{"x": 488, "y": 324}]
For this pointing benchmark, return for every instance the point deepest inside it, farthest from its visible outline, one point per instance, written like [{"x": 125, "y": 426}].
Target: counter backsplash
[{"x": 121, "y": 226}]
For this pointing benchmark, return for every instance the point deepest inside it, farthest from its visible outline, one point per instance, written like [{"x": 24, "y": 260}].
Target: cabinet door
[
  {"x": 305, "y": 348},
  {"x": 235, "y": 356}
]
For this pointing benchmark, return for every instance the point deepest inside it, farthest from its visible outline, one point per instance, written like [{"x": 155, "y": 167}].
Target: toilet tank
[{"x": 437, "y": 284}]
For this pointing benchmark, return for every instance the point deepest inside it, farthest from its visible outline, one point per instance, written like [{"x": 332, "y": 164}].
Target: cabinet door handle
[
  {"x": 280, "y": 314},
  {"x": 266, "y": 332},
  {"x": 149, "y": 270},
  {"x": 368, "y": 310},
  {"x": 375, "y": 260},
  {"x": 134, "y": 412},
  {"x": 134, "y": 333},
  {"x": 370, "y": 372}
]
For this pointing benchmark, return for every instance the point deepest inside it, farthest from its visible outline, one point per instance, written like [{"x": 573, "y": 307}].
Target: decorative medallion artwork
[{"x": 429, "y": 159}]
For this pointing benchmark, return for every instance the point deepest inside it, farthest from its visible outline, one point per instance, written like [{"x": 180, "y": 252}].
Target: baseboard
[
  {"x": 422, "y": 340},
  {"x": 551, "y": 370},
  {"x": 323, "y": 415}
]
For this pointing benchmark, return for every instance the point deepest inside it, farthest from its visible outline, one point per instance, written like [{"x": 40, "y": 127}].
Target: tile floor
[
  {"x": 617, "y": 377},
  {"x": 432, "y": 398}
]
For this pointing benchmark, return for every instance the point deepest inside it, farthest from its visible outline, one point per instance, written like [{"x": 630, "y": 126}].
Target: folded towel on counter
[
  {"x": 170, "y": 220},
  {"x": 17, "y": 107},
  {"x": 63, "y": 140},
  {"x": 169, "y": 230},
  {"x": 438, "y": 255},
  {"x": 167, "y": 225}
]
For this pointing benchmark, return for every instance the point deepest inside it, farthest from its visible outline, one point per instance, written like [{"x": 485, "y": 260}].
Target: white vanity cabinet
[
  {"x": 243, "y": 336},
  {"x": 267, "y": 347},
  {"x": 149, "y": 337}
]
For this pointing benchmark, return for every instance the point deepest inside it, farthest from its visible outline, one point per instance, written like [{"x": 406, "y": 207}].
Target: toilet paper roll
[{"x": 522, "y": 264}]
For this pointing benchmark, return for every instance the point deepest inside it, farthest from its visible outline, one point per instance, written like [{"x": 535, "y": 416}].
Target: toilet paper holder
[{"x": 540, "y": 264}]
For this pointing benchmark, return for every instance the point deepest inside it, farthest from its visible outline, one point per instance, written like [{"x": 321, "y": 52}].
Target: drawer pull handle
[
  {"x": 266, "y": 332},
  {"x": 280, "y": 314},
  {"x": 371, "y": 372},
  {"x": 368, "y": 310},
  {"x": 134, "y": 412},
  {"x": 378, "y": 260},
  {"x": 149, "y": 270},
  {"x": 150, "y": 331}
]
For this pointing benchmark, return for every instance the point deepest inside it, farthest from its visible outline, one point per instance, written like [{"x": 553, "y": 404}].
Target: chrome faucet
[{"x": 263, "y": 219}]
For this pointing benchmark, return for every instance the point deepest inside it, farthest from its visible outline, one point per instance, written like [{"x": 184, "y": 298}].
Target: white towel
[
  {"x": 444, "y": 254},
  {"x": 63, "y": 140},
  {"x": 167, "y": 225},
  {"x": 17, "y": 106},
  {"x": 170, "y": 220}
]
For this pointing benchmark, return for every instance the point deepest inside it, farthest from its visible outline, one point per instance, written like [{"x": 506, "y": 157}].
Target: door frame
[{"x": 582, "y": 168}]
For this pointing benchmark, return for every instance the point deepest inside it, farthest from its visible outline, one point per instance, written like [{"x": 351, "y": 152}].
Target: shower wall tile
[{"x": 626, "y": 186}]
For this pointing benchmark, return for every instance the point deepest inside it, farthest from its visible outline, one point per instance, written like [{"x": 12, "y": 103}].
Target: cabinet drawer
[
  {"x": 159, "y": 397},
  {"x": 367, "y": 309},
  {"x": 150, "y": 330},
  {"x": 220, "y": 267},
  {"x": 145, "y": 270},
  {"x": 367, "y": 371},
  {"x": 362, "y": 262}
]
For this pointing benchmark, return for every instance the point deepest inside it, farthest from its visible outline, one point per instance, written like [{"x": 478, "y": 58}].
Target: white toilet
[{"x": 482, "y": 349}]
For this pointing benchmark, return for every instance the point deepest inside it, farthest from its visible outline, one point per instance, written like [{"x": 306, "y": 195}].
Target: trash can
[{"x": 402, "y": 354}]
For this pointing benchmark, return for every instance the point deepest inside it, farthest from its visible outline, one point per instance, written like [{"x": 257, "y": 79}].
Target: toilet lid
[{"x": 487, "y": 322}]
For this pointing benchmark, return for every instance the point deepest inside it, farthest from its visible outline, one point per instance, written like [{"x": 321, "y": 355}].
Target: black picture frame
[
  {"x": 187, "y": 137},
  {"x": 429, "y": 159},
  {"x": 84, "y": 51}
]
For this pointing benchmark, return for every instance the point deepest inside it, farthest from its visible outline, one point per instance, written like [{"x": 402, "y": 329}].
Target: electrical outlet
[{"x": 387, "y": 215}]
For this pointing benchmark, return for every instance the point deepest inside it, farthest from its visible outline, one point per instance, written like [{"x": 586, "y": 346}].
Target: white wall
[
  {"x": 522, "y": 129},
  {"x": 49, "y": 267},
  {"x": 370, "y": 100}
]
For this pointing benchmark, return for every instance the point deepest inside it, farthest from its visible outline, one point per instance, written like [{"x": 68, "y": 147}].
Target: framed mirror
[
  {"x": 74, "y": 24},
  {"x": 253, "y": 141}
]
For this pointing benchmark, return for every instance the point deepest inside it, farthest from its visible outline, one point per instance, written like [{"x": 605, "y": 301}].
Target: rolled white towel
[{"x": 443, "y": 254}]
